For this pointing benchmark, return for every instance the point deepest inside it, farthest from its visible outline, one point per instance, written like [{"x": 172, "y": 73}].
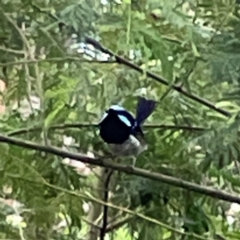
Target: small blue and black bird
[{"x": 122, "y": 131}]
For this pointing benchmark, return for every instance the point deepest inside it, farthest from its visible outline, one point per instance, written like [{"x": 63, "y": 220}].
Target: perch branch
[{"x": 214, "y": 193}]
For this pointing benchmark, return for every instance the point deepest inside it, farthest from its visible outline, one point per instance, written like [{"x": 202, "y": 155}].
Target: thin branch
[
  {"x": 89, "y": 197},
  {"x": 105, "y": 207},
  {"x": 94, "y": 125},
  {"x": 157, "y": 78},
  {"x": 33, "y": 61},
  {"x": 30, "y": 181},
  {"x": 126, "y": 210},
  {"x": 14, "y": 24},
  {"x": 118, "y": 224},
  {"x": 11, "y": 50},
  {"x": 214, "y": 193},
  {"x": 47, "y": 12},
  {"x": 90, "y": 223}
]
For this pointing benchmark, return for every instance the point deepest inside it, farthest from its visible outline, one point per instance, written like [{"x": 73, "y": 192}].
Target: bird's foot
[
  {"x": 133, "y": 162},
  {"x": 132, "y": 166}
]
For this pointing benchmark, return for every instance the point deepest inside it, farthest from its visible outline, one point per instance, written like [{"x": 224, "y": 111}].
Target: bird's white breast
[{"x": 130, "y": 147}]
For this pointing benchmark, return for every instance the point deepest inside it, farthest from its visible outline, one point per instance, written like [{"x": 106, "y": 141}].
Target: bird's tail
[{"x": 145, "y": 108}]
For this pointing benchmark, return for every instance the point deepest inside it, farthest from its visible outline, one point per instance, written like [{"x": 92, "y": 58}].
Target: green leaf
[{"x": 53, "y": 115}]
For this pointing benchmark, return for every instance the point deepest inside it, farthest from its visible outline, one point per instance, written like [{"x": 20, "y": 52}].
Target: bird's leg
[{"x": 133, "y": 161}]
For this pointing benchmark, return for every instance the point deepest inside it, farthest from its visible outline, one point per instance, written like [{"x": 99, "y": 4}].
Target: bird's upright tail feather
[{"x": 145, "y": 108}]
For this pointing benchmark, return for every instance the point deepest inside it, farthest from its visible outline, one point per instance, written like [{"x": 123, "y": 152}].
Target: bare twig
[
  {"x": 47, "y": 12},
  {"x": 118, "y": 224},
  {"x": 91, "y": 224},
  {"x": 88, "y": 197},
  {"x": 105, "y": 207},
  {"x": 19, "y": 52},
  {"x": 64, "y": 59},
  {"x": 214, "y": 193},
  {"x": 158, "y": 78},
  {"x": 94, "y": 125}
]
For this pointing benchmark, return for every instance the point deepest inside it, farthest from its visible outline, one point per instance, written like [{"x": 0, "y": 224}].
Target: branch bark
[
  {"x": 157, "y": 78},
  {"x": 95, "y": 211},
  {"x": 106, "y": 199},
  {"x": 94, "y": 125},
  {"x": 214, "y": 193}
]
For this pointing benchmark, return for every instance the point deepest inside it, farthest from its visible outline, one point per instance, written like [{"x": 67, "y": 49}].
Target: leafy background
[{"x": 51, "y": 77}]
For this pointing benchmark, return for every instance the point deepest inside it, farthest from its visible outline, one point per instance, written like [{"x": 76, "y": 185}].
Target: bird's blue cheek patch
[
  {"x": 117, "y": 108},
  {"x": 125, "y": 120}
]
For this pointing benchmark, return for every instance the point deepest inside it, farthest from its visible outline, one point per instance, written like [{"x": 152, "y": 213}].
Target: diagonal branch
[
  {"x": 214, "y": 193},
  {"x": 93, "y": 125},
  {"x": 157, "y": 78},
  {"x": 91, "y": 198}
]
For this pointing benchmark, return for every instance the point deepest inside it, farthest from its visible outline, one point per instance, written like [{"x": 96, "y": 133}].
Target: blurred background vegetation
[{"x": 50, "y": 76}]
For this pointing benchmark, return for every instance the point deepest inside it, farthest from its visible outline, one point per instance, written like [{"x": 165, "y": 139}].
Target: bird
[{"x": 123, "y": 132}]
